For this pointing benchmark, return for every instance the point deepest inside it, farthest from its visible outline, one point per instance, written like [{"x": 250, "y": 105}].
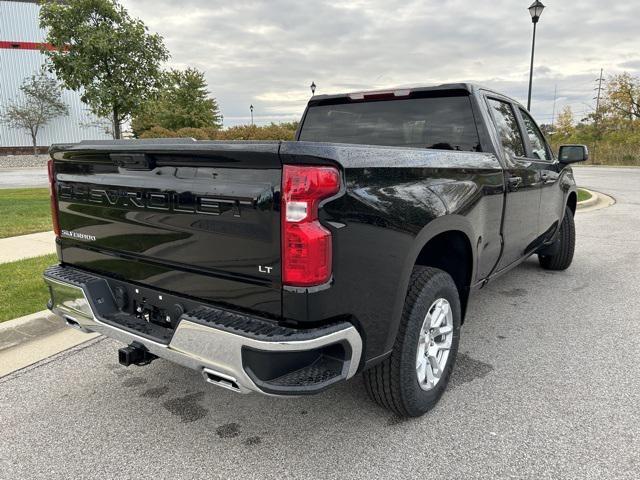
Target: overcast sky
[{"x": 267, "y": 53}]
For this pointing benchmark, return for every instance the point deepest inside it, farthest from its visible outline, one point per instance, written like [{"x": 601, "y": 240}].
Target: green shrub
[
  {"x": 158, "y": 132},
  {"x": 273, "y": 131},
  {"x": 211, "y": 132},
  {"x": 190, "y": 132}
]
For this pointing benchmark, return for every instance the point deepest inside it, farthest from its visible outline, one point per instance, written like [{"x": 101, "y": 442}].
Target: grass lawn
[
  {"x": 22, "y": 290},
  {"x": 24, "y": 210},
  {"x": 583, "y": 195}
]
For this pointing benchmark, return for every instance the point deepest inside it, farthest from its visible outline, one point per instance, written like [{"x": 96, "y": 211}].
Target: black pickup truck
[{"x": 286, "y": 267}]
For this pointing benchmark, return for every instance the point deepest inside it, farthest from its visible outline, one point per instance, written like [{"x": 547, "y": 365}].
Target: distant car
[{"x": 287, "y": 267}]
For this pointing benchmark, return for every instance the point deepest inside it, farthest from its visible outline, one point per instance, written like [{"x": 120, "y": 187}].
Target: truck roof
[{"x": 471, "y": 88}]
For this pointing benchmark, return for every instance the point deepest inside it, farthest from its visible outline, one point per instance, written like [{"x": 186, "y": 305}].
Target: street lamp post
[
  {"x": 535, "y": 10},
  {"x": 251, "y": 108},
  {"x": 313, "y": 88}
]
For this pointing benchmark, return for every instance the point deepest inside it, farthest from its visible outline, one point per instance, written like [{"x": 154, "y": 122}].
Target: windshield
[{"x": 442, "y": 123}]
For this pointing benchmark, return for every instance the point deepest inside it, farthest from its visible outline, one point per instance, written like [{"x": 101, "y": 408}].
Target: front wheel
[
  {"x": 564, "y": 246},
  {"x": 413, "y": 378}
]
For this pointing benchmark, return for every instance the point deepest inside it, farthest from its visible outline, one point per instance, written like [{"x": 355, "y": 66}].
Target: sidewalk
[
  {"x": 26, "y": 246},
  {"x": 23, "y": 178}
]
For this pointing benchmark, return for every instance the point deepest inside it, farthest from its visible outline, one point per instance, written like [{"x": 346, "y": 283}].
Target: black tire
[
  {"x": 394, "y": 383},
  {"x": 564, "y": 246}
]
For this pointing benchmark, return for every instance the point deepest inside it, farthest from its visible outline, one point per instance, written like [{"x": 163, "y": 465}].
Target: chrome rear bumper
[{"x": 217, "y": 353}]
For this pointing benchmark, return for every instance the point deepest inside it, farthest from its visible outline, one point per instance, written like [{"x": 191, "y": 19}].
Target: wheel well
[
  {"x": 572, "y": 202},
  {"x": 451, "y": 252}
]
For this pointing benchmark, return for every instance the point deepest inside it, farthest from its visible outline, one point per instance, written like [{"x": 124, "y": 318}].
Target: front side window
[
  {"x": 536, "y": 139},
  {"x": 507, "y": 127}
]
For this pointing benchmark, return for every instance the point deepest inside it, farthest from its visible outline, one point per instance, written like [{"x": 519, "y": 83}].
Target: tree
[
  {"x": 183, "y": 102},
  {"x": 104, "y": 53},
  {"x": 41, "y": 103},
  {"x": 622, "y": 97},
  {"x": 564, "y": 123}
]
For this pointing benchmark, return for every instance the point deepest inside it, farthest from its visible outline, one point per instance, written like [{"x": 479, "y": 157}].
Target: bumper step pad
[
  {"x": 255, "y": 327},
  {"x": 321, "y": 371}
]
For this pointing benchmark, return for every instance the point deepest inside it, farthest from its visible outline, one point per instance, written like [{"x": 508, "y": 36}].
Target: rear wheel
[
  {"x": 411, "y": 381},
  {"x": 564, "y": 246}
]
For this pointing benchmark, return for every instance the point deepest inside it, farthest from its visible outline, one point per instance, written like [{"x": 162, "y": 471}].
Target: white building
[{"x": 20, "y": 40}]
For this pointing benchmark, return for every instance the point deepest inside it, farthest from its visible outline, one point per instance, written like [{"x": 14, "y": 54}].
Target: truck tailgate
[{"x": 198, "y": 219}]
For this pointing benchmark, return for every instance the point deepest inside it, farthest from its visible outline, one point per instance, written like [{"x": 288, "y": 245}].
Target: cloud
[
  {"x": 267, "y": 53},
  {"x": 631, "y": 65}
]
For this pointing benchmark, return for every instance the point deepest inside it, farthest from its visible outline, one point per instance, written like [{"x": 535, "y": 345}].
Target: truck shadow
[{"x": 182, "y": 397}]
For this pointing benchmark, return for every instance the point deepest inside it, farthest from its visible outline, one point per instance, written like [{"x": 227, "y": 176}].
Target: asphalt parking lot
[{"x": 547, "y": 385}]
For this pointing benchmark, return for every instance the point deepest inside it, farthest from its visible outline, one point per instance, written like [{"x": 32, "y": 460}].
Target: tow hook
[{"x": 135, "y": 354}]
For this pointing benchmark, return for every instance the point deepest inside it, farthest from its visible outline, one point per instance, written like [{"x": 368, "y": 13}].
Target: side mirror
[{"x": 573, "y": 153}]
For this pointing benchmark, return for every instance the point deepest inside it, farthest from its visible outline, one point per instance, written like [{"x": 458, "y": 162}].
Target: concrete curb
[
  {"x": 32, "y": 338},
  {"x": 597, "y": 201},
  {"x": 590, "y": 201},
  {"x": 25, "y": 329}
]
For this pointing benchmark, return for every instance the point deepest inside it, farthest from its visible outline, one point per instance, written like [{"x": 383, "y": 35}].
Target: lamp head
[{"x": 535, "y": 10}]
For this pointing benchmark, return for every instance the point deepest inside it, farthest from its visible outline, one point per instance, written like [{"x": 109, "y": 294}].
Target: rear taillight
[
  {"x": 55, "y": 213},
  {"x": 306, "y": 244}
]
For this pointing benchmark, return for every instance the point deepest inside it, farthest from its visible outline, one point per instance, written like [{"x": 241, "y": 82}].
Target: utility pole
[
  {"x": 599, "y": 88},
  {"x": 597, "y": 116},
  {"x": 597, "y": 99}
]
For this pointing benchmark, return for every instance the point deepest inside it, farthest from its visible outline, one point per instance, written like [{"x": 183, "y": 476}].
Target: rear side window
[
  {"x": 443, "y": 123},
  {"x": 507, "y": 127}
]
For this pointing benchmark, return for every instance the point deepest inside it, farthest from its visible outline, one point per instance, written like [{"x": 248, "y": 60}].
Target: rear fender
[{"x": 440, "y": 225}]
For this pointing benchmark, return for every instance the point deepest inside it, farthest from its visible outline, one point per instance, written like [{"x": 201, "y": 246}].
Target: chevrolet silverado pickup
[{"x": 287, "y": 267}]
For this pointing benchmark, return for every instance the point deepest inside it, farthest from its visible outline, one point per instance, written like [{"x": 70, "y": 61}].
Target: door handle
[
  {"x": 547, "y": 177},
  {"x": 514, "y": 183}
]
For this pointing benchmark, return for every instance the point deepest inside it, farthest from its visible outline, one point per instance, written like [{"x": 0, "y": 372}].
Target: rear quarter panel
[{"x": 394, "y": 201}]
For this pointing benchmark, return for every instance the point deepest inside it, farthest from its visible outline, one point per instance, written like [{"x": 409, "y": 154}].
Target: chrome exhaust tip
[
  {"x": 221, "y": 380},
  {"x": 70, "y": 322}
]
